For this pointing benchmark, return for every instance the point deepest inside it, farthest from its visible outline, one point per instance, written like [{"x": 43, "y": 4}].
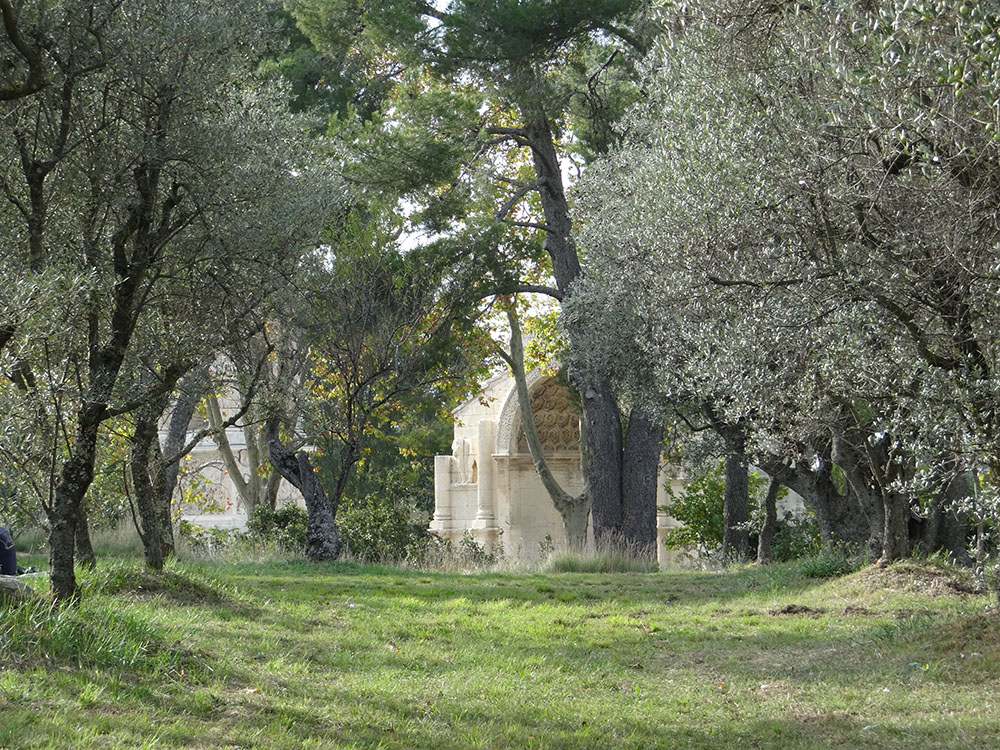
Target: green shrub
[
  {"x": 825, "y": 566},
  {"x": 285, "y": 526},
  {"x": 208, "y": 537},
  {"x": 795, "y": 538},
  {"x": 699, "y": 507},
  {"x": 381, "y": 530},
  {"x": 475, "y": 553}
]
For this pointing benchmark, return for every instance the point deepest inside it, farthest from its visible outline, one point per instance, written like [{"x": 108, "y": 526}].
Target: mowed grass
[{"x": 295, "y": 655}]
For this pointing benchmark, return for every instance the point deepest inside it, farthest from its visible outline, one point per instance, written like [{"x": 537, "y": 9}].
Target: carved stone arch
[
  {"x": 557, "y": 422},
  {"x": 509, "y": 423}
]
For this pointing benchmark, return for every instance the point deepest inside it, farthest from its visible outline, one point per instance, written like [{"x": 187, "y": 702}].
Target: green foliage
[
  {"x": 499, "y": 36},
  {"x": 700, "y": 508},
  {"x": 378, "y": 529},
  {"x": 208, "y": 538},
  {"x": 795, "y": 538},
  {"x": 475, "y": 553},
  {"x": 741, "y": 178},
  {"x": 285, "y": 526},
  {"x": 826, "y": 566},
  {"x": 329, "y": 80}
]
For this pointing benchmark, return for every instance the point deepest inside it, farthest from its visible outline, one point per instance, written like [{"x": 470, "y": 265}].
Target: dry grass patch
[{"x": 918, "y": 576}]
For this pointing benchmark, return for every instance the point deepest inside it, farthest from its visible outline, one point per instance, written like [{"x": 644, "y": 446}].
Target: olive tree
[
  {"x": 158, "y": 169},
  {"x": 808, "y": 205}
]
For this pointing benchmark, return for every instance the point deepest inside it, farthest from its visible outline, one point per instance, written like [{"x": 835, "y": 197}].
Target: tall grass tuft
[
  {"x": 612, "y": 560},
  {"x": 240, "y": 550},
  {"x": 94, "y": 635},
  {"x": 827, "y": 565},
  {"x": 121, "y": 540}
]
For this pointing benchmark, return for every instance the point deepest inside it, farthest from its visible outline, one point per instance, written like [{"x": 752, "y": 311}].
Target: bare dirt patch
[
  {"x": 795, "y": 609},
  {"x": 855, "y": 611}
]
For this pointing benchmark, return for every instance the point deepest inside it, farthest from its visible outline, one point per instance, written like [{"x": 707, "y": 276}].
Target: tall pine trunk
[
  {"x": 608, "y": 454},
  {"x": 603, "y": 443}
]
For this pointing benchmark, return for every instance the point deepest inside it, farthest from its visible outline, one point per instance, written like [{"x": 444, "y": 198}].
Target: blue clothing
[{"x": 8, "y": 556}]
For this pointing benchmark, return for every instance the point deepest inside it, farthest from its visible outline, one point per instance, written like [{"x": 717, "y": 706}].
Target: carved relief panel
[{"x": 557, "y": 421}]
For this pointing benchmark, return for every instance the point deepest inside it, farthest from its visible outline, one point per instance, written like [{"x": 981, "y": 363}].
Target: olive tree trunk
[
  {"x": 148, "y": 503},
  {"x": 736, "y": 509},
  {"x": 767, "y": 529},
  {"x": 322, "y": 535}
]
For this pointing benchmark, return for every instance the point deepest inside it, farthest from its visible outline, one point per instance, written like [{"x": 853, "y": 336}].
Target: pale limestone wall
[
  {"x": 526, "y": 513},
  {"x": 205, "y": 470}
]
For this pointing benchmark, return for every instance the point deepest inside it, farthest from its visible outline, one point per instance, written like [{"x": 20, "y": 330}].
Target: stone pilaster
[
  {"x": 486, "y": 488},
  {"x": 442, "y": 494}
]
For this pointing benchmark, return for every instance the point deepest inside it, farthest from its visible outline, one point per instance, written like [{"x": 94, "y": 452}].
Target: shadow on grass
[{"x": 190, "y": 588}]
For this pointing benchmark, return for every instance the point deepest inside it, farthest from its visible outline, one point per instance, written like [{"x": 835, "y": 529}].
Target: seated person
[{"x": 8, "y": 556}]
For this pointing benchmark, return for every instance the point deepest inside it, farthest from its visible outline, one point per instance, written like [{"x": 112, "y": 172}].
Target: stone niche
[{"x": 488, "y": 488}]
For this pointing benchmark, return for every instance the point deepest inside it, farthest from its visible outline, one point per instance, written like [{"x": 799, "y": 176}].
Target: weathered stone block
[{"x": 14, "y": 592}]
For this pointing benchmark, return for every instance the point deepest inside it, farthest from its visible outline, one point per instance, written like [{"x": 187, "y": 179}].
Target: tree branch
[
  {"x": 529, "y": 225},
  {"x": 780, "y": 283},
  {"x": 521, "y": 191},
  {"x": 562, "y": 500},
  {"x": 531, "y": 289},
  {"x": 36, "y": 70}
]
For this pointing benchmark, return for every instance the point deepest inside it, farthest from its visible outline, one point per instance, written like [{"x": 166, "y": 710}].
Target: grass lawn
[{"x": 295, "y": 655}]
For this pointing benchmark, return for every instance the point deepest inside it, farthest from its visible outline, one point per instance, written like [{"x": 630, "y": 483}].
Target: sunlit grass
[{"x": 289, "y": 655}]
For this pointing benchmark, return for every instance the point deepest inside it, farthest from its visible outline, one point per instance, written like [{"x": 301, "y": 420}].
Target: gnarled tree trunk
[
  {"x": 767, "y": 529},
  {"x": 736, "y": 509},
  {"x": 322, "y": 535},
  {"x": 84, "y": 548},
  {"x": 149, "y": 515},
  {"x": 74, "y": 480},
  {"x": 839, "y": 515}
]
